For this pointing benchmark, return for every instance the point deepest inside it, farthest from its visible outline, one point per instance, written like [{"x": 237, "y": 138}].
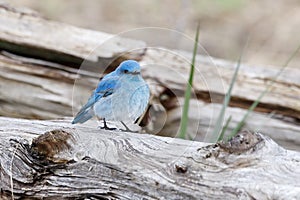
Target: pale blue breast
[{"x": 128, "y": 102}]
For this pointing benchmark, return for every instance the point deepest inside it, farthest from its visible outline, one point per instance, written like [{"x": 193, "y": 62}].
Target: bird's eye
[{"x": 125, "y": 71}]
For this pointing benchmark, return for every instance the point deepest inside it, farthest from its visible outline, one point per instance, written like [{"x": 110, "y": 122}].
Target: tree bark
[{"x": 54, "y": 159}]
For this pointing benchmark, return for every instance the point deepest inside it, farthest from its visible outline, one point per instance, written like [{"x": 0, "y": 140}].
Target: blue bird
[{"x": 121, "y": 95}]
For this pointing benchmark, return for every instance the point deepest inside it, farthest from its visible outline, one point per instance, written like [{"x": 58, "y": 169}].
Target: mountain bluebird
[{"x": 121, "y": 95}]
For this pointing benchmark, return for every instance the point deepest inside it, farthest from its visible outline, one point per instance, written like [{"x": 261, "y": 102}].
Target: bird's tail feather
[{"x": 83, "y": 116}]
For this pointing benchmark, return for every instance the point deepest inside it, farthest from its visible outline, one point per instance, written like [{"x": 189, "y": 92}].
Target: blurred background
[{"x": 273, "y": 26}]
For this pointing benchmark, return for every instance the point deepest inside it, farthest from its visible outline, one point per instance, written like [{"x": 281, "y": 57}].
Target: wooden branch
[{"x": 70, "y": 162}]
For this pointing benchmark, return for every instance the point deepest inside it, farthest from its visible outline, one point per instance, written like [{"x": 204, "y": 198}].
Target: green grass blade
[
  {"x": 256, "y": 102},
  {"x": 224, "y": 129},
  {"x": 184, "y": 118},
  {"x": 215, "y": 134}
]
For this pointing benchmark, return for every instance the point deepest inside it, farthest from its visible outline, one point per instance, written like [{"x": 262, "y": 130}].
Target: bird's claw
[
  {"x": 127, "y": 129},
  {"x": 107, "y": 128}
]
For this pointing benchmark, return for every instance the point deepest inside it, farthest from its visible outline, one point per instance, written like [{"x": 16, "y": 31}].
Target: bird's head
[{"x": 129, "y": 67}]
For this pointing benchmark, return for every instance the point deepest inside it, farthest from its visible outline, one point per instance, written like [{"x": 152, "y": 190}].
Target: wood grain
[{"x": 120, "y": 165}]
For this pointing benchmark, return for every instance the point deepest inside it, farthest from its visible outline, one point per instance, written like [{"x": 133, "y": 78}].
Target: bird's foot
[
  {"x": 105, "y": 127},
  {"x": 127, "y": 129}
]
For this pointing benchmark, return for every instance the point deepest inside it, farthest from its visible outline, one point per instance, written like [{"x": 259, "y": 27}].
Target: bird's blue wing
[{"x": 105, "y": 88}]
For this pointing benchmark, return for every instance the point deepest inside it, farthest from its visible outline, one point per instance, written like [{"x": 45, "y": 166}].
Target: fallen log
[
  {"x": 46, "y": 79},
  {"x": 213, "y": 76},
  {"x": 54, "y": 159},
  {"x": 25, "y": 32},
  {"x": 40, "y": 90},
  {"x": 31, "y": 89},
  {"x": 54, "y": 41},
  {"x": 201, "y": 124}
]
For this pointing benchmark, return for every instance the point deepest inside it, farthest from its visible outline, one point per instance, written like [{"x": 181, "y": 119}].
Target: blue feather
[{"x": 105, "y": 88}]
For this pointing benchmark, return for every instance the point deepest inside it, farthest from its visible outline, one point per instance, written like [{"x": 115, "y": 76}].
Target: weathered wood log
[
  {"x": 25, "y": 32},
  {"x": 168, "y": 67},
  {"x": 39, "y": 89},
  {"x": 203, "y": 116},
  {"x": 31, "y": 88},
  {"x": 42, "y": 90},
  {"x": 54, "y": 159},
  {"x": 213, "y": 76}
]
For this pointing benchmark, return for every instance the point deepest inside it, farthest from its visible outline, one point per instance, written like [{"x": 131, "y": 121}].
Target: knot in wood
[
  {"x": 49, "y": 144},
  {"x": 242, "y": 142},
  {"x": 180, "y": 167},
  {"x": 209, "y": 151}
]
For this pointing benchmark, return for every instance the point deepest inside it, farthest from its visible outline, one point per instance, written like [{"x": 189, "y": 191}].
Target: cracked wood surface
[{"x": 56, "y": 159}]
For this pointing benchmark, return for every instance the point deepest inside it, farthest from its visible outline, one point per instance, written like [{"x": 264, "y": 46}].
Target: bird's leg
[
  {"x": 105, "y": 126},
  {"x": 127, "y": 129}
]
